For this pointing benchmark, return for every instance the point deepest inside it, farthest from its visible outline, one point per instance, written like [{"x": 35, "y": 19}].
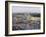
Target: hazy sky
[{"x": 21, "y": 9}]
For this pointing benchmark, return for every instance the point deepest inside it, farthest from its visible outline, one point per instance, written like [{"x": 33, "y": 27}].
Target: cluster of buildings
[{"x": 25, "y": 21}]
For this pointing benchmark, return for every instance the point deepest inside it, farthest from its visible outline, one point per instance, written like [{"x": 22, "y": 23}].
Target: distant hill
[{"x": 32, "y": 14}]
